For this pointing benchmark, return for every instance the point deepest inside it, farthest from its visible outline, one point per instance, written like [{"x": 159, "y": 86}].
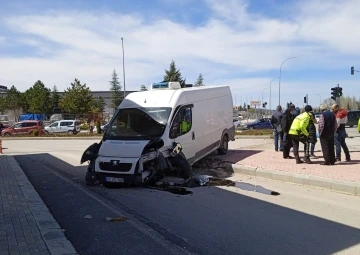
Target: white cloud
[{"x": 230, "y": 46}]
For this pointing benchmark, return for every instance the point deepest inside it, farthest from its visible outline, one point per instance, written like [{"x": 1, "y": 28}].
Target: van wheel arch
[{"x": 224, "y": 144}]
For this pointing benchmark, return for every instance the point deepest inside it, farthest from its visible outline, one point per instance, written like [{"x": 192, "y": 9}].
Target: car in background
[
  {"x": 317, "y": 116},
  {"x": 103, "y": 127},
  {"x": 237, "y": 123},
  {"x": 63, "y": 127},
  {"x": 263, "y": 123},
  {"x": 353, "y": 118},
  {"x": 26, "y": 127}
]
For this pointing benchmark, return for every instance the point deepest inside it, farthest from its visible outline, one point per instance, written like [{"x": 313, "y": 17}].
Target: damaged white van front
[{"x": 166, "y": 128}]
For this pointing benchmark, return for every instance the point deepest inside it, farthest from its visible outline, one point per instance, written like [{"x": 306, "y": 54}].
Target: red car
[{"x": 25, "y": 127}]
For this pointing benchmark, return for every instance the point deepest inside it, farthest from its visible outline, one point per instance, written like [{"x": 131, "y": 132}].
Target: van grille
[{"x": 120, "y": 167}]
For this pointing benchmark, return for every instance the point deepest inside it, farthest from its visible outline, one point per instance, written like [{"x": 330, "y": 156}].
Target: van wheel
[
  {"x": 70, "y": 132},
  {"x": 224, "y": 145},
  {"x": 46, "y": 132},
  {"x": 7, "y": 134},
  {"x": 180, "y": 162}
]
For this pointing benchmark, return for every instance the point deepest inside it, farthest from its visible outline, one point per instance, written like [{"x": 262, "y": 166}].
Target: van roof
[{"x": 160, "y": 97}]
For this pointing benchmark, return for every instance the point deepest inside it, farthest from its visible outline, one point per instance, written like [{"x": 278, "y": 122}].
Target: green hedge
[{"x": 255, "y": 132}]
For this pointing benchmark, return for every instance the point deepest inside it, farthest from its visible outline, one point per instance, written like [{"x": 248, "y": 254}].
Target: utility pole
[
  {"x": 122, "y": 43},
  {"x": 337, "y": 96}
]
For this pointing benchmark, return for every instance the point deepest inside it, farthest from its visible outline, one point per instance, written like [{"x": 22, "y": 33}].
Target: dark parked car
[
  {"x": 353, "y": 118},
  {"x": 260, "y": 124}
]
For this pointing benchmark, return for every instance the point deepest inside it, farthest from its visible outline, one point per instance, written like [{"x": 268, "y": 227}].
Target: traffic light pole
[{"x": 338, "y": 98}]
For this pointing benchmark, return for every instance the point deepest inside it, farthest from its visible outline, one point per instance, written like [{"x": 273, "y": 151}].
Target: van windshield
[{"x": 138, "y": 123}]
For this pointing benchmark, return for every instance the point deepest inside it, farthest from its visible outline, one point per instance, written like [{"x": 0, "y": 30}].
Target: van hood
[{"x": 122, "y": 148}]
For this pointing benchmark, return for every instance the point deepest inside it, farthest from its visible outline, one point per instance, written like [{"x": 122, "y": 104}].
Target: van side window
[{"x": 182, "y": 123}]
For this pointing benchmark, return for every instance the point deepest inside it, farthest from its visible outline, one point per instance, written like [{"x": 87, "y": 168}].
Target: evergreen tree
[
  {"x": 99, "y": 105},
  {"x": 55, "y": 97},
  {"x": 13, "y": 101},
  {"x": 77, "y": 99},
  {"x": 174, "y": 74},
  {"x": 143, "y": 88},
  {"x": 115, "y": 88},
  {"x": 38, "y": 98},
  {"x": 200, "y": 81}
]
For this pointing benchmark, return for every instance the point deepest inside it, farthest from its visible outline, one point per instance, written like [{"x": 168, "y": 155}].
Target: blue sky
[{"x": 240, "y": 43}]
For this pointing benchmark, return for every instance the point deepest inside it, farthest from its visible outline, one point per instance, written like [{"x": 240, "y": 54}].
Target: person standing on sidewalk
[
  {"x": 278, "y": 132},
  {"x": 340, "y": 135},
  {"x": 286, "y": 122},
  {"x": 312, "y": 135},
  {"x": 327, "y": 128},
  {"x": 299, "y": 133}
]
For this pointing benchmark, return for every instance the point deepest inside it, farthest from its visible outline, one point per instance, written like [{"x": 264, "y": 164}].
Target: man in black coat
[
  {"x": 286, "y": 122},
  {"x": 276, "y": 123},
  {"x": 327, "y": 129}
]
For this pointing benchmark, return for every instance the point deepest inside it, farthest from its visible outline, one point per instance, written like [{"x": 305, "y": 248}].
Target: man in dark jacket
[
  {"x": 276, "y": 123},
  {"x": 312, "y": 135},
  {"x": 327, "y": 129},
  {"x": 286, "y": 122}
]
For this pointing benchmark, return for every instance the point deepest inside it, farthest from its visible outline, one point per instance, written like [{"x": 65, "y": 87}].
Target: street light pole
[
  {"x": 122, "y": 43},
  {"x": 270, "y": 92},
  {"x": 280, "y": 74}
]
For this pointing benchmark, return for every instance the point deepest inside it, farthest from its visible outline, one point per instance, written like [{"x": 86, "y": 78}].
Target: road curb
[
  {"x": 52, "y": 138},
  {"x": 51, "y": 232},
  {"x": 352, "y": 188}
]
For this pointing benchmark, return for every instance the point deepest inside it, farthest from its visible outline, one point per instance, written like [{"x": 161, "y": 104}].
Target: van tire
[
  {"x": 224, "y": 145},
  {"x": 181, "y": 162},
  {"x": 7, "y": 134},
  {"x": 70, "y": 132}
]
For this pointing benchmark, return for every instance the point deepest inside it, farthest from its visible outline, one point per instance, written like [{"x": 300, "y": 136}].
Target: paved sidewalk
[
  {"x": 26, "y": 225},
  {"x": 248, "y": 157}
]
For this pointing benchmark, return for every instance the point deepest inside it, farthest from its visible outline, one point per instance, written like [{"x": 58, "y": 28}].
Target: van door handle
[{"x": 193, "y": 135}]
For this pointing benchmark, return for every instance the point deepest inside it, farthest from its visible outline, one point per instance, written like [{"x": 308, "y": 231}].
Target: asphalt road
[{"x": 211, "y": 221}]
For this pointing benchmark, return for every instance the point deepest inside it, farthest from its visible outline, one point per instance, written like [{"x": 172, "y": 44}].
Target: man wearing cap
[
  {"x": 299, "y": 133},
  {"x": 327, "y": 129}
]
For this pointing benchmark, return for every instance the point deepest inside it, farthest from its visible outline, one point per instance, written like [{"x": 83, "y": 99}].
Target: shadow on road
[{"x": 211, "y": 221}]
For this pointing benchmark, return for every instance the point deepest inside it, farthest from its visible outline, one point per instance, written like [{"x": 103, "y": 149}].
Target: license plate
[{"x": 114, "y": 179}]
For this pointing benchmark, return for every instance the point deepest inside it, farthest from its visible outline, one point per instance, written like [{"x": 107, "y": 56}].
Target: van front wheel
[{"x": 224, "y": 145}]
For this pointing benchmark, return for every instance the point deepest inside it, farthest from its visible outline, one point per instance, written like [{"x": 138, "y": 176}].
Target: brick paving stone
[
  {"x": 272, "y": 160},
  {"x": 19, "y": 230}
]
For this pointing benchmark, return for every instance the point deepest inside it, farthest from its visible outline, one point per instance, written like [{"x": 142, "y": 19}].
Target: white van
[
  {"x": 63, "y": 126},
  {"x": 200, "y": 119}
]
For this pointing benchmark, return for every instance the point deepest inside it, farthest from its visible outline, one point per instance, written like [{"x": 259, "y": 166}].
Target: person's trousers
[
  {"x": 296, "y": 139},
  {"x": 278, "y": 136},
  {"x": 340, "y": 137},
  {"x": 327, "y": 146},
  {"x": 312, "y": 148},
  {"x": 287, "y": 142}
]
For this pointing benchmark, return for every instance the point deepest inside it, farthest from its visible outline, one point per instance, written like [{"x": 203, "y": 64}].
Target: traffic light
[
  {"x": 352, "y": 70},
  {"x": 305, "y": 100},
  {"x": 334, "y": 93},
  {"x": 339, "y": 92},
  {"x": 248, "y": 107}
]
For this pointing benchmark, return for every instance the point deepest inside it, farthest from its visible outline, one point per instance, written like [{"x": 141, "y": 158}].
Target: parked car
[
  {"x": 24, "y": 127},
  {"x": 237, "y": 123},
  {"x": 353, "y": 118},
  {"x": 63, "y": 126},
  {"x": 263, "y": 123},
  {"x": 103, "y": 127}
]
